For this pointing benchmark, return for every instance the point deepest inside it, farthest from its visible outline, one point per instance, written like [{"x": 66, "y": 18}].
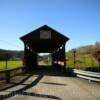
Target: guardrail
[
  {"x": 91, "y": 76},
  {"x": 7, "y": 74}
]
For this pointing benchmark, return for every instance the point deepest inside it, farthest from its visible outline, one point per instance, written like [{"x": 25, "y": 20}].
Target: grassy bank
[{"x": 82, "y": 61}]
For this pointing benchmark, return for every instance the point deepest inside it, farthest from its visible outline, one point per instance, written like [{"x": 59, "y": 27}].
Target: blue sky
[{"x": 77, "y": 19}]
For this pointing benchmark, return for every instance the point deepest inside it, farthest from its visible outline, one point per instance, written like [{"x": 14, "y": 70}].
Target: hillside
[
  {"x": 88, "y": 49},
  {"x": 84, "y": 58},
  {"x": 14, "y": 53}
]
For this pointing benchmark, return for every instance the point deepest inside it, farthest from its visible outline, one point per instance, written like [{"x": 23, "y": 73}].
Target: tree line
[{"x": 10, "y": 55}]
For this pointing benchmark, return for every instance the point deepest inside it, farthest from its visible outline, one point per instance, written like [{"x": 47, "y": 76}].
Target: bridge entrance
[
  {"x": 44, "y": 59},
  {"x": 44, "y": 47}
]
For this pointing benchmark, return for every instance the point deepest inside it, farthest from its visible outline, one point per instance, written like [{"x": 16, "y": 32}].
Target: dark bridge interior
[{"x": 44, "y": 40}]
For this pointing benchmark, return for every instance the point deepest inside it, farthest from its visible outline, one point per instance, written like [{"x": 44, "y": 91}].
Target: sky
[{"x": 77, "y": 19}]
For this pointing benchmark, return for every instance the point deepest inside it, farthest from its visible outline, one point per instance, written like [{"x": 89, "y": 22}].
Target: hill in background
[
  {"x": 15, "y": 55},
  {"x": 84, "y": 58},
  {"x": 88, "y": 49}
]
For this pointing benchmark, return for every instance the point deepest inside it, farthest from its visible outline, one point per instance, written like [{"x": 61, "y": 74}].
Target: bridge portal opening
[{"x": 44, "y": 59}]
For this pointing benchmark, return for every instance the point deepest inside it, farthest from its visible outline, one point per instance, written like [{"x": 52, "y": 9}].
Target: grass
[
  {"x": 82, "y": 61},
  {"x": 10, "y": 64}
]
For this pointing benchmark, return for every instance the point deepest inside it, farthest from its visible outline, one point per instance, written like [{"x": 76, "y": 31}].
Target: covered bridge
[{"x": 44, "y": 40}]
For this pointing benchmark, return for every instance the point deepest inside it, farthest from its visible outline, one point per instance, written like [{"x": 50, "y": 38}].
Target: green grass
[
  {"x": 10, "y": 64},
  {"x": 82, "y": 61}
]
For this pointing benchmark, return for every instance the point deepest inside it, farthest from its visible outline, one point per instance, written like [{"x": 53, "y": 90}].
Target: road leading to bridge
[{"x": 52, "y": 87}]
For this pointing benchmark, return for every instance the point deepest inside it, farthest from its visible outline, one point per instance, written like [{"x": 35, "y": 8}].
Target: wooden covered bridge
[
  {"x": 48, "y": 85},
  {"x": 44, "y": 40}
]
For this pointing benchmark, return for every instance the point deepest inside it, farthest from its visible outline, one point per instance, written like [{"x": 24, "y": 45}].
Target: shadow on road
[
  {"x": 53, "y": 83},
  {"x": 22, "y": 90},
  {"x": 14, "y": 82},
  {"x": 51, "y": 72}
]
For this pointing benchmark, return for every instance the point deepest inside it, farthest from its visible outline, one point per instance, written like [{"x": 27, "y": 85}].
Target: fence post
[
  {"x": 5, "y": 61},
  {"x": 6, "y": 64}
]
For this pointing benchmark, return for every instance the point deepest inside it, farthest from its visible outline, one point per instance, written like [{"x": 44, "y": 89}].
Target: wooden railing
[
  {"x": 91, "y": 76},
  {"x": 7, "y": 74}
]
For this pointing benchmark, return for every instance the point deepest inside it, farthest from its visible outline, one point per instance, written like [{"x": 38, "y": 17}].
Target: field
[
  {"x": 82, "y": 61},
  {"x": 10, "y": 64}
]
